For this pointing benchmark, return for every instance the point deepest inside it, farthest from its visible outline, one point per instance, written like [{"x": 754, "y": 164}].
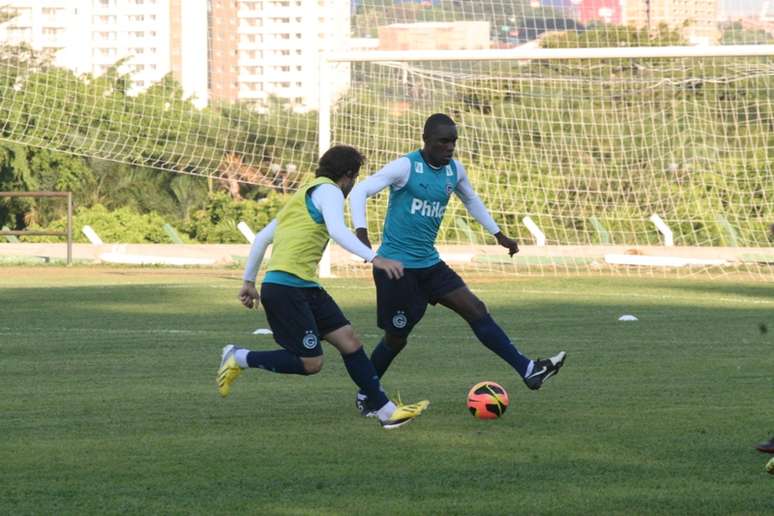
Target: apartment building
[
  {"x": 700, "y": 17},
  {"x": 223, "y": 50},
  {"x": 462, "y": 35},
  {"x": 278, "y": 44},
  {"x": 90, "y": 36}
]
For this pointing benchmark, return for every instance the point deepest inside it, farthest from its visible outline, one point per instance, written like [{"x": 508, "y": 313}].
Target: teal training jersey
[{"x": 415, "y": 212}]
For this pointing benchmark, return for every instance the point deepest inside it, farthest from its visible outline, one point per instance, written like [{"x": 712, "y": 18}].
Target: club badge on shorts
[
  {"x": 399, "y": 320},
  {"x": 310, "y": 340}
]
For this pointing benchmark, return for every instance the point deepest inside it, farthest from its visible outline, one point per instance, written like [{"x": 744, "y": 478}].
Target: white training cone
[
  {"x": 627, "y": 317},
  {"x": 262, "y": 331}
]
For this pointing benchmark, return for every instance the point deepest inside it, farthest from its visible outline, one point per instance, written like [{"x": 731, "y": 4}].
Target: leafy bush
[
  {"x": 123, "y": 225},
  {"x": 217, "y": 222}
]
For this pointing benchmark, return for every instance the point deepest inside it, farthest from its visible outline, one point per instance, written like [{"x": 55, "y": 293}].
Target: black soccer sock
[
  {"x": 362, "y": 372},
  {"x": 382, "y": 357},
  {"x": 279, "y": 361},
  {"x": 494, "y": 338}
]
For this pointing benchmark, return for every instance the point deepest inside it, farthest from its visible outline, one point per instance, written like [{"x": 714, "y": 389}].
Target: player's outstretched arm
[
  {"x": 476, "y": 208},
  {"x": 330, "y": 201},
  {"x": 393, "y": 268},
  {"x": 248, "y": 294},
  {"x": 362, "y": 235},
  {"x": 394, "y": 174},
  {"x": 508, "y": 243}
]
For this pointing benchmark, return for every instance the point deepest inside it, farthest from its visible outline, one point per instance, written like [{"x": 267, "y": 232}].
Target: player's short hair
[
  {"x": 338, "y": 161},
  {"x": 435, "y": 121}
]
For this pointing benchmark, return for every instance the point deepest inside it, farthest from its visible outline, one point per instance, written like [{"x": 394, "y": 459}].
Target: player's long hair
[{"x": 338, "y": 161}]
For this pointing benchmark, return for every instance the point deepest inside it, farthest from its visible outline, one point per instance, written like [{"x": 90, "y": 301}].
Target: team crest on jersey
[
  {"x": 418, "y": 168},
  {"x": 449, "y": 189},
  {"x": 399, "y": 320},
  {"x": 449, "y": 171},
  {"x": 310, "y": 340}
]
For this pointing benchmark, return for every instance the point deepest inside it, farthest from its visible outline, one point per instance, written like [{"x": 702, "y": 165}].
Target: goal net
[
  {"x": 627, "y": 148},
  {"x": 637, "y": 162},
  {"x": 600, "y": 162}
]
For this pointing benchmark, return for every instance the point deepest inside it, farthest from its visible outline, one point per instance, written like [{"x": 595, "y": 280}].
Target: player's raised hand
[
  {"x": 248, "y": 295},
  {"x": 362, "y": 235},
  {"x": 508, "y": 243},
  {"x": 393, "y": 268}
]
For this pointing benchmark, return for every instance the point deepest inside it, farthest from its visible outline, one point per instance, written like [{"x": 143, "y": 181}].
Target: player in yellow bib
[{"x": 299, "y": 311}]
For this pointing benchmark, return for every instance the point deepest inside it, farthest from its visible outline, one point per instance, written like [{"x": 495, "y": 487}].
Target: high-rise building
[
  {"x": 464, "y": 35},
  {"x": 697, "y": 19},
  {"x": 222, "y": 50},
  {"x": 91, "y": 36},
  {"x": 278, "y": 44}
]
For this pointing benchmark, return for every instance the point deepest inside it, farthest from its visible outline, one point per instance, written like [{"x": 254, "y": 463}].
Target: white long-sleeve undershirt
[
  {"x": 396, "y": 174},
  {"x": 327, "y": 198}
]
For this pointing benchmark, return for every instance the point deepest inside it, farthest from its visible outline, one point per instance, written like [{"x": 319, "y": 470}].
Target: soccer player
[
  {"x": 299, "y": 311},
  {"x": 766, "y": 447},
  {"x": 421, "y": 184}
]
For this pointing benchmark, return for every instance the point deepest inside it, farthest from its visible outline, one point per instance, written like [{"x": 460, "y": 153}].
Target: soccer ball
[{"x": 487, "y": 400}]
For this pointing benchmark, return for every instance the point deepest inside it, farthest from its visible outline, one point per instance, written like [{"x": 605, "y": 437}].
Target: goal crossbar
[{"x": 553, "y": 53}]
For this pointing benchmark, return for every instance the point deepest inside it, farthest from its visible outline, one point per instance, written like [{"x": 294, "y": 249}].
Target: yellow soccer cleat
[
  {"x": 228, "y": 371},
  {"x": 404, "y": 413}
]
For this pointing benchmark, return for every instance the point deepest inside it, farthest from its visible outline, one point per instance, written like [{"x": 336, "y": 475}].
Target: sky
[{"x": 741, "y": 7}]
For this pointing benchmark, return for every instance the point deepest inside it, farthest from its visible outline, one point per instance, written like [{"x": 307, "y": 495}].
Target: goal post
[
  {"x": 622, "y": 158},
  {"x": 67, "y": 233}
]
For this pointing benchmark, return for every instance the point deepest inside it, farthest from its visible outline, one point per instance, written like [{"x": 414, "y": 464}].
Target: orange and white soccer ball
[{"x": 487, "y": 400}]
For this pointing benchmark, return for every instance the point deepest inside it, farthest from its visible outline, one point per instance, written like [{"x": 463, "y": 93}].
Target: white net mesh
[
  {"x": 640, "y": 165},
  {"x": 589, "y": 149}
]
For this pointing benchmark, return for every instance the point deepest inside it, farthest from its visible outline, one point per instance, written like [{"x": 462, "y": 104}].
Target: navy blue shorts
[
  {"x": 300, "y": 317},
  {"x": 401, "y": 304}
]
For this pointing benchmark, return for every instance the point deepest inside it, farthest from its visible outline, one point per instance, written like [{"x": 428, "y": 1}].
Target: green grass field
[{"x": 108, "y": 402}]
